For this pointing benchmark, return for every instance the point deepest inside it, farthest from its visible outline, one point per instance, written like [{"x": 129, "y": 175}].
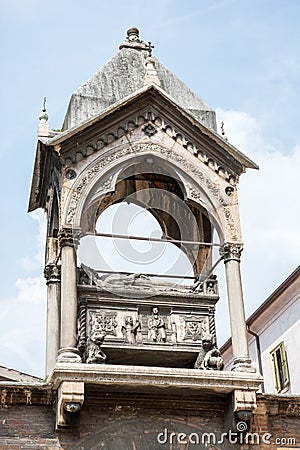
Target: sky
[{"x": 240, "y": 56}]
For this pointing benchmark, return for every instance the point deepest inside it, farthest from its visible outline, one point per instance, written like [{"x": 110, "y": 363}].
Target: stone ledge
[{"x": 157, "y": 378}]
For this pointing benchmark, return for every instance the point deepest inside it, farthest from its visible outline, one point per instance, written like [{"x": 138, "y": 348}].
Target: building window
[{"x": 280, "y": 367}]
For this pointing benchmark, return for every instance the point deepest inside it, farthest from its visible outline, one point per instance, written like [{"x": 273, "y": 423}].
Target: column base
[
  {"x": 68, "y": 355},
  {"x": 243, "y": 365}
]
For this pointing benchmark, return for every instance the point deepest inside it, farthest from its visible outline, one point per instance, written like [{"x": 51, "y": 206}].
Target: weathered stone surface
[
  {"x": 159, "y": 379},
  {"x": 122, "y": 76}
]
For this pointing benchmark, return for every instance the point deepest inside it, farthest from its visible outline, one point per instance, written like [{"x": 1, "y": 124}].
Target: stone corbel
[
  {"x": 243, "y": 403},
  {"x": 69, "y": 403}
]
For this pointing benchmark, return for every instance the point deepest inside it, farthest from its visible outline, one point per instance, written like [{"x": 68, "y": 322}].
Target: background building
[{"x": 274, "y": 338}]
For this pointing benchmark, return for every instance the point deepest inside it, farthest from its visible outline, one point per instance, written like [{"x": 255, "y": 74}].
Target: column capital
[
  {"x": 69, "y": 237},
  {"x": 52, "y": 273},
  {"x": 231, "y": 251}
]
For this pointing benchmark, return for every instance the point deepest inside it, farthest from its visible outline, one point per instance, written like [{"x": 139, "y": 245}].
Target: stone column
[
  {"x": 52, "y": 275},
  {"x": 68, "y": 315},
  {"x": 232, "y": 255}
]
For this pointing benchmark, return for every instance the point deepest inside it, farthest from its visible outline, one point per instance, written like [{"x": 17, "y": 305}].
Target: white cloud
[
  {"x": 22, "y": 319},
  {"x": 269, "y": 207},
  {"x": 23, "y": 327},
  {"x": 31, "y": 263}
]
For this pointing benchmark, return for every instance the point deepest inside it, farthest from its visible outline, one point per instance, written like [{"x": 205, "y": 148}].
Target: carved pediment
[
  {"x": 152, "y": 110},
  {"x": 149, "y": 114}
]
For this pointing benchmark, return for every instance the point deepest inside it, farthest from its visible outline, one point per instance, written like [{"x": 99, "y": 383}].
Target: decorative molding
[
  {"x": 82, "y": 319},
  {"x": 70, "y": 174},
  {"x": 212, "y": 326},
  {"x": 190, "y": 168},
  {"x": 156, "y": 377},
  {"x": 104, "y": 322},
  {"x": 151, "y": 118},
  {"x": 207, "y": 287},
  {"x": 193, "y": 329},
  {"x": 149, "y": 130},
  {"x": 104, "y": 187}
]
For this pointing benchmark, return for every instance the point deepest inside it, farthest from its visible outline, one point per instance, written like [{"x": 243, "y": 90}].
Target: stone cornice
[
  {"x": 159, "y": 94},
  {"x": 201, "y": 146},
  {"x": 157, "y": 378}
]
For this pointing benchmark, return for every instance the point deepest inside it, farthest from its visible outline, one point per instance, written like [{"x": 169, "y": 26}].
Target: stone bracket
[
  {"x": 244, "y": 400},
  {"x": 240, "y": 409},
  {"x": 69, "y": 402}
]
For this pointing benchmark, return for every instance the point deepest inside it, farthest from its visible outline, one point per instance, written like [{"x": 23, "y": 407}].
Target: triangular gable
[{"x": 80, "y": 141}]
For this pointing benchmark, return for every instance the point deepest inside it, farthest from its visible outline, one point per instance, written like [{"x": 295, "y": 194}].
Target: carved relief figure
[
  {"x": 129, "y": 330},
  {"x": 93, "y": 353},
  {"x": 156, "y": 326}
]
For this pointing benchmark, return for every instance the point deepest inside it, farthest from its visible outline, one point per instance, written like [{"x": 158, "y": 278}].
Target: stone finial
[
  {"x": 133, "y": 40},
  {"x": 223, "y": 131},
  {"x": 133, "y": 34},
  {"x": 44, "y": 128},
  {"x": 151, "y": 74}
]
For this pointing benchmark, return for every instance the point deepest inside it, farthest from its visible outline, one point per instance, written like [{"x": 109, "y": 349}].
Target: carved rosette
[
  {"x": 104, "y": 322},
  {"x": 52, "y": 273},
  {"x": 231, "y": 251},
  {"x": 69, "y": 238},
  {"x": 149, "y": 130}
]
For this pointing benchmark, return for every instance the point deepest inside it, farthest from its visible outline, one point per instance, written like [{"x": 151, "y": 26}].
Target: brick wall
[{"x": 110, "y": 422}]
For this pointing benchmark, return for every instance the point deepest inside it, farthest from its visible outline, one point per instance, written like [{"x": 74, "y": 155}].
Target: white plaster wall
[{"x": 285, "y": 326}]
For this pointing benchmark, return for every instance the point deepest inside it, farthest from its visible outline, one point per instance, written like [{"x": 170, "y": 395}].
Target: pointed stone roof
[{"x": 125, "y": 74}]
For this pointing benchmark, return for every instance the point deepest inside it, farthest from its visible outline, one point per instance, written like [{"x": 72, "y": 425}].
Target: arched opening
[
  {"x": 160, "y": 260},
  {"x": 157, "y": 189}
]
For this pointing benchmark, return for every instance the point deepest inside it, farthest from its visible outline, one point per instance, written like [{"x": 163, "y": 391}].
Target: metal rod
[
  {"x": 148, "y": 274},
  {"x": 151, "y": 239}
]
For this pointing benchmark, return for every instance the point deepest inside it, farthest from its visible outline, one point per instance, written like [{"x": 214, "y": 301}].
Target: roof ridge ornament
[
  {"x": 151, "y": 75},
  {"x": 44, "y": 129},
  {"x": 133, "y": 41},
  {"x": 223, "y": 131}
]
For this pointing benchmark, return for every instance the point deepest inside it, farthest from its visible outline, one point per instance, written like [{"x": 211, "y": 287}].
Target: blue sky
[{"x": 241, "y": 57}]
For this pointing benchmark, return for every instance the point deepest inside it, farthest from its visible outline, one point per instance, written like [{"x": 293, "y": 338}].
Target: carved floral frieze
[{"x": 212, "y": 186}]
